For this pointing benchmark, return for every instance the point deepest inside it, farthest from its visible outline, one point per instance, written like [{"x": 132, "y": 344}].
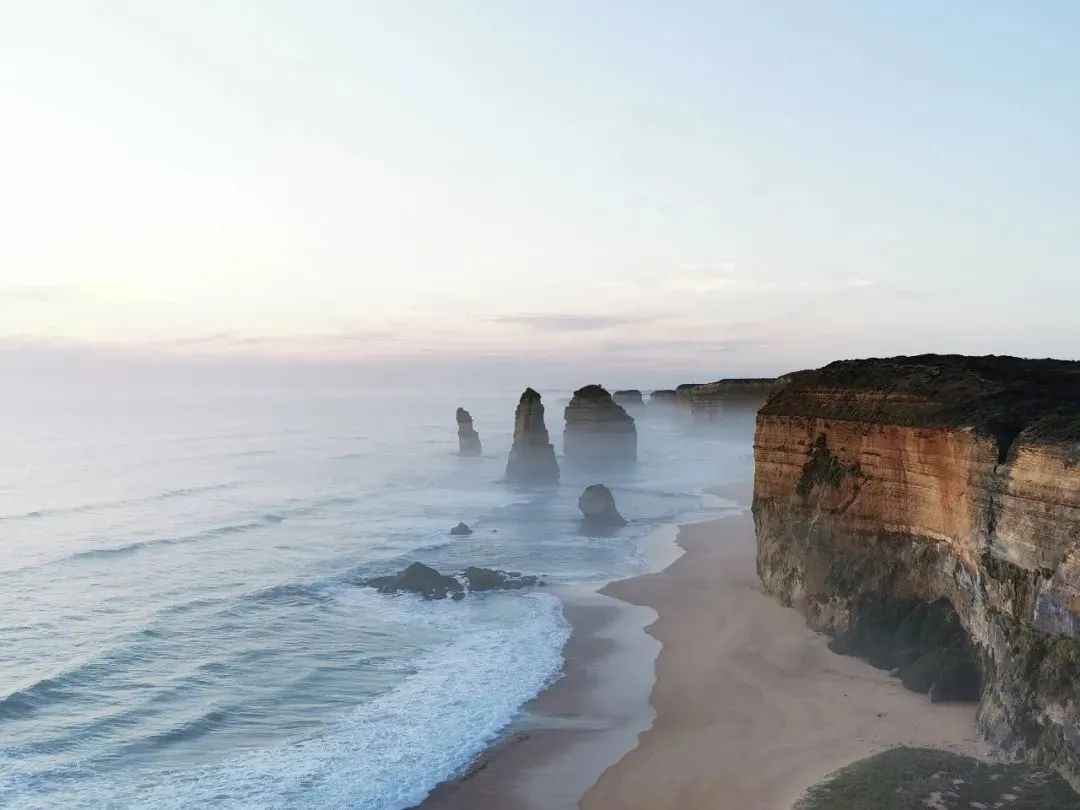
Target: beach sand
[{"x": 751, "y": 708}]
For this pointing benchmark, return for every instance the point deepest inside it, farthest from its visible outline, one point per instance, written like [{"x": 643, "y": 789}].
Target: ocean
[{"x": 181, "y": 609}]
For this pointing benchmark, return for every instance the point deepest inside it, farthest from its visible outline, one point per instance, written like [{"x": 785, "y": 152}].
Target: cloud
[{"x": 573, "y": 323}]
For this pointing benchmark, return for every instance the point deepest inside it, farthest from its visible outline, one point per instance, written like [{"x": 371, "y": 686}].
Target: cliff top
[{"x": 996, "y": 395}]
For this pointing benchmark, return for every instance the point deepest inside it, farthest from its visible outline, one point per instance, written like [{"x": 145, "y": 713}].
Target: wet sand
[{"x": 750, "y": 706}]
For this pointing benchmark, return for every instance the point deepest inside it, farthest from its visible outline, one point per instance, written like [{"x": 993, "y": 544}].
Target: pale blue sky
[{"x": 643, "y": 188}]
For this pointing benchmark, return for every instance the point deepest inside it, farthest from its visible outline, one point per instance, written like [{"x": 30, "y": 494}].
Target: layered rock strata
[
  {"x": 938, "y": 478},
  {"x": 532, "y": 457},
  {"x": 598, "y": 431},
  {"x": 468, "y": 438}
]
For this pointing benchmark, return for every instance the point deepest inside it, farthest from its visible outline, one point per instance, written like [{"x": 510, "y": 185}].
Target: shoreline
[
  {"x": 586, "y": 721},
  {"x": 688, "y": 687}
]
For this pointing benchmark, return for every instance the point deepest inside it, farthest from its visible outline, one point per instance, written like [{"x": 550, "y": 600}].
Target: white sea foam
[{"x": 388, "y": 753}]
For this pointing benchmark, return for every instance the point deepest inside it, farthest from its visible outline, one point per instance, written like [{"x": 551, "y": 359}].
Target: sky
[{"x": 634, "y": 192}]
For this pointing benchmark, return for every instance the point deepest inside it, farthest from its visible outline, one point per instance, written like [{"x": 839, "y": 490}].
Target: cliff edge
[{"x": 918, "y": 479}]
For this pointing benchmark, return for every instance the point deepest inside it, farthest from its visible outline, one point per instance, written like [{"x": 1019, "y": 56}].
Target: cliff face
[
  {"x": 468, "y": 438},
  {"x": 938, "y": 477},
  {"x": 598, "y": 430},
  {"x": 532, "y": 458}
]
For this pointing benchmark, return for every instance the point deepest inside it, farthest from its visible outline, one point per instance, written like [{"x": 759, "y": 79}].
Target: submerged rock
[
  {"x": 420, "y": 579},
  {"x": 468, "y": 438},
  {"x": 460, "y": 530},
  {"x": 598, "y": 430},
  {"x": 532, "y": 457},
  {"x": 597, "y": 504}
]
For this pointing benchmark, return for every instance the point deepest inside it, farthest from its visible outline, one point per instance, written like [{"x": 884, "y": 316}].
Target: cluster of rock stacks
[
  {"x": 468, "y": 438},
  {"x": 630, "y": 401},
  {"x": 532, "y": 458},
  {"x": 931, "y": 478},
  {"x": 598, "y": 431},
  {"x": 711, "y": 399}
]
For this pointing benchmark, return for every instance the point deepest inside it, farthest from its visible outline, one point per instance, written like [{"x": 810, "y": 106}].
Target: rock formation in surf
[
  {"x": 890, "y": 491},
  {"x": 712, "y": 400},
  {"x": 598, "y": 431},
  {"x": 468, "y": 438},
  {"x": 631, "y": 401},
  {"x": 461, "y": 530},
  {"x": 430, "y": 584},
  {"x": 532, "y": 457},
  {"x": 597, "y": 504}
]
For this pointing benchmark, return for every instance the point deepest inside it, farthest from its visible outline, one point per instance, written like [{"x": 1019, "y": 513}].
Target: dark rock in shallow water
[
  {"x": 598, "y": 431},
  {"x": 490, "y": 579},
  {"x": 460, "y": 530},
  {"x": 421, "y": 579},
  {"x": 532, "y": 457},
  {"x": 468, "y": 438},
  {"x": 430, "y": 584},
  {"x": 597, "y": 504}
]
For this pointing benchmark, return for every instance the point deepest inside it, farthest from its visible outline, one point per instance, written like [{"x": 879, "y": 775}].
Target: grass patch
[{"x": 919, "y": 778}]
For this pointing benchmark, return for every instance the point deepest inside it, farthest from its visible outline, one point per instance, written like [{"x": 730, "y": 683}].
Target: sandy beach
[{"x": 748, "y": 709}]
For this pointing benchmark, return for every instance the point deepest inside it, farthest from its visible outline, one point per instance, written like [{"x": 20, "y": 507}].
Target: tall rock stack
[
  {"x": 662, "y": 398},
  {"x": 468, "y": 438},
  {"x": 631, "y": 401},
  {"x": 532, "y": 458},
  {"x": 598, "y": 430}
]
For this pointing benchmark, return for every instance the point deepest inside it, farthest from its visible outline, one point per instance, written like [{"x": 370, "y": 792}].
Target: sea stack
[
  {"x": 598, "y": 430},
  {"x": 662, "y": 398},
  {"x": 710, "y": 400},
  {"x": 936, "y": 498},
  {"x": 597, "y": 504},
  {"x": 631, "y": 401},
  {"x": 468, "y": 438},
  {"x": 532, "y": 458}
]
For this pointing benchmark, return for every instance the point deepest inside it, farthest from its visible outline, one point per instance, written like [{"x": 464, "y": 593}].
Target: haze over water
[{"x": 179, "y": 599}]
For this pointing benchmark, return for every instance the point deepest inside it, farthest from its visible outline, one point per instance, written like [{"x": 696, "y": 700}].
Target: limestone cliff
[
  {"x": 598, "y": 430},
  {"x": 532, "y": 457},
  {"x": 468, "y": 438},
  {"x": 938, "y": 477}
]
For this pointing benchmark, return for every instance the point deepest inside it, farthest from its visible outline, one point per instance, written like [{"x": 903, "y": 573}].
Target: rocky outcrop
[
  {"x": 938, "y": 478},
  {"x": 430, "y": 584},
  {"x": 598, "y": 431},
  {"x": 419, "y": 579},
  {"x": 597, "y": 504},
  {"x": 662, "y": 397},
  {"x": 532, "y": 457},
  {"x": 461, "y": 530},
  {"x": 631, "y": 401},
  {"x": 468, "y": 438},
  {"x": 710, "y": 400}
]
